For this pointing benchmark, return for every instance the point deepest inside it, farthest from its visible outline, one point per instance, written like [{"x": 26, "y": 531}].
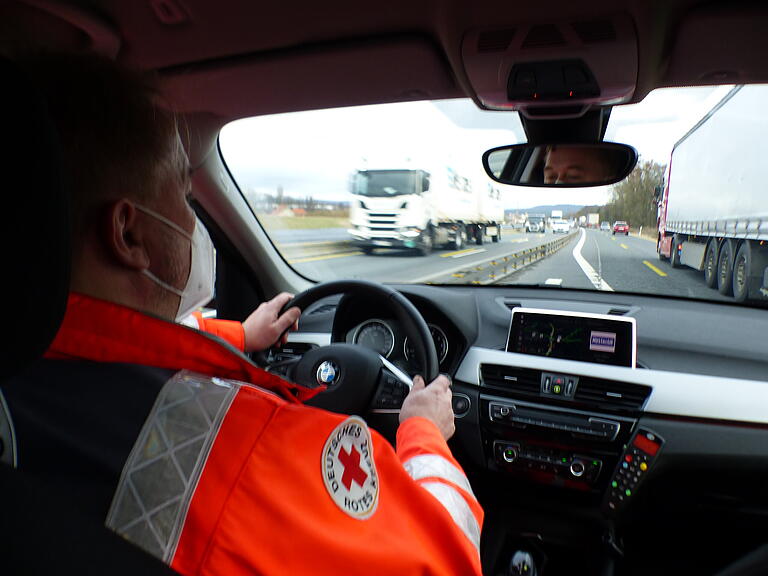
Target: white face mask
[{"x": 199, "y": 287}]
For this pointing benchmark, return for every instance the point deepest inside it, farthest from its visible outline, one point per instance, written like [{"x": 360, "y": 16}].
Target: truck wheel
[
  {"x": 479, "y": 235},
  {"x": 498, "y": 234},
  {"x": 460, "y": 239},
  {"x": 425, "y": 243},
  {"x": 710, "y": 264},
  {"x": 368, "y": 249},
  {"x": 659, "y": 252},
  {"x": 674, "y": 257},
  {"x": 725, "y": 269},
  {"x": 741, "y": 267}
]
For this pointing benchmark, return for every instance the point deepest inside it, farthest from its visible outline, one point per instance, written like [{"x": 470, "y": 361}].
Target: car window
[{"x": 397, "y": 193}]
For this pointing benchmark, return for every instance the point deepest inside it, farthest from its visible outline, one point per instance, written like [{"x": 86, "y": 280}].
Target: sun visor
[
  {"x": 724, "y": 45},
  {"x": 315, "y": 77},
  {"x": 553, "y": 69}
]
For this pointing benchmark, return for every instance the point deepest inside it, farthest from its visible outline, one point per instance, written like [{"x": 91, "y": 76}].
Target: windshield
[
  {"x": 386, "y": 183},
  {"x": 397, "y": 193}
]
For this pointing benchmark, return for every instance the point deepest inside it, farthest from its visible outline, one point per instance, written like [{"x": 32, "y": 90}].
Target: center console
[{"x": 565, "y": 430}]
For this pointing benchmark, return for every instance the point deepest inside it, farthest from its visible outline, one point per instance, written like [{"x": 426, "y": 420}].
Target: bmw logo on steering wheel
[{"x": 327, "y": 373}]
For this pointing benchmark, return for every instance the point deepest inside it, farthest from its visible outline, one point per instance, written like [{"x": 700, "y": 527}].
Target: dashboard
[{"x": 574, "y": 446}]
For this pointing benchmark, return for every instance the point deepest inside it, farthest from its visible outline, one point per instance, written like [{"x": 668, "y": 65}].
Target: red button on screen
[{"x": 646, "y": 445}]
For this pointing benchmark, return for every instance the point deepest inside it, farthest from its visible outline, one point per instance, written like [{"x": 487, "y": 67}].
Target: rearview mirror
[{"x": 560, "y": 165}]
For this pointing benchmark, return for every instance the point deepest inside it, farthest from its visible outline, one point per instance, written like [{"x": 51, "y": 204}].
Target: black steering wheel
[{"x": 357, "y": 378}]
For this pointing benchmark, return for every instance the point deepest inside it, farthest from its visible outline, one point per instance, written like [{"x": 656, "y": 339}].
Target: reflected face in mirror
[
  {"x": 576, "y": 165},
  {"x": 560, "y": 165}
]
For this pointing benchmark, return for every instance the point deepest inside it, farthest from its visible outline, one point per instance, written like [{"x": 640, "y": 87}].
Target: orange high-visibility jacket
[{"x": 231, "y": 474}]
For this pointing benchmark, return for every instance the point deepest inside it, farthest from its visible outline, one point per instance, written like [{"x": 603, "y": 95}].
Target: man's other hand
[
  {"x": 266, "y": 327},
  {"x": 432, "y": 402}
]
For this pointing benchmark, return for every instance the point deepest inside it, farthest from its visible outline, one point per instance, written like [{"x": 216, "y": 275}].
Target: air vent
[
  {"x": 521, "y": 380},
  {"x": 606, "y": 394},
  {"x": 509, "y": 304},
  {"x": 595, "y": 31},
  {"x": 323, "y": 309},
  {"x": 543, "y": 36},
  {"x": 618, "y": 311},
  {"x": 495, "y": 40}
]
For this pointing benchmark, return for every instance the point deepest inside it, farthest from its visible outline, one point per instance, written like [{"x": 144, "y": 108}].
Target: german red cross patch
[{"x": 348, "y": 469}]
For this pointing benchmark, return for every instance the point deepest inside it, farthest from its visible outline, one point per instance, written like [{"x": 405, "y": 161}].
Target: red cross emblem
[{"x": 352, "y": 470}]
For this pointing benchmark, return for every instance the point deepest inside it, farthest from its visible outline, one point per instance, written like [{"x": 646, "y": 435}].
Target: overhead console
[{"x": 553, "y": 69}]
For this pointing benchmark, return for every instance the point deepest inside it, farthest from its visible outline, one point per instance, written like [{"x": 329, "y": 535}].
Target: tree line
[{"x": 633, "y": 199}]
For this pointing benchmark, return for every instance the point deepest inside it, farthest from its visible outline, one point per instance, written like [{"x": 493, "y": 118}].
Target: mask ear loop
[
  {"x": 177, "y": 228},
  {"x": 164, "y": 220}
]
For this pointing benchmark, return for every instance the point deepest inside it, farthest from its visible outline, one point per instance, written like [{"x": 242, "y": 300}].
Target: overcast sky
[{"x": 314, "y": 153}]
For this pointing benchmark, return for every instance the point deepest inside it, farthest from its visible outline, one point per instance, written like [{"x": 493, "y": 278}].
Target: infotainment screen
[{"x": 597, "y": 338}]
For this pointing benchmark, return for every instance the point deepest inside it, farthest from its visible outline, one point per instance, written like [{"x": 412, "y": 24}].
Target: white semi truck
[
  {"x": 422, "y": 207},
  {"x": 713, "y": 211}
]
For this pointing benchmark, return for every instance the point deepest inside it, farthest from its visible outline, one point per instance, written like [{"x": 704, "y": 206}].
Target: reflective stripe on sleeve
[
  {"x": 458, "y": 508},
  {"x": 434, "y": 466},
  {"x": 160, "y": 476}
]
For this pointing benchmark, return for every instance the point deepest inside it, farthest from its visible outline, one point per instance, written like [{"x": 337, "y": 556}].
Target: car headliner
[{"x": 276, "y": 46}]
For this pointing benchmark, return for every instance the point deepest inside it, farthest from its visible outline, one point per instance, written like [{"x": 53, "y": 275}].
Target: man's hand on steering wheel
[{"x": 432, "y": 402}]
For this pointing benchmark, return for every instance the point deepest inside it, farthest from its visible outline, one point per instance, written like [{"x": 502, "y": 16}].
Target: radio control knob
[
  {"x": 577, "y": 468},
  {"x": 509, "y": 454}
]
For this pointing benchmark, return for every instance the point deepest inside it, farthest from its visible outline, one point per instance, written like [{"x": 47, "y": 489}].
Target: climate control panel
[{"x": 516, "y": 456}]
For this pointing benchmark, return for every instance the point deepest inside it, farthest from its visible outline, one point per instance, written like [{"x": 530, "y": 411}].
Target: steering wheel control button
[
  {"x": 560, "y": 385},
  {"x": 460, "y": 404},
  {"x": 638, "y": 458},
  {"x": 327, "y": 373},
  {"x": 392, "y": 393}
]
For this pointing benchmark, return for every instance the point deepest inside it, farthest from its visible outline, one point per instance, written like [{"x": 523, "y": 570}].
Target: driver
[
  {"x": 577, "y": 165},
  {"x": 173, "y": 436}
]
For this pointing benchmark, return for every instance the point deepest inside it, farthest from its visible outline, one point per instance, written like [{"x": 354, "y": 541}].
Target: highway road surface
[{"x": 584, "y": 259}]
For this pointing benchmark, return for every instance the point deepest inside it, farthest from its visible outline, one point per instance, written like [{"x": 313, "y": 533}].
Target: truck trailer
[
  {"x": 422, "y": 207},
  {"x": 713, "y": 212}
]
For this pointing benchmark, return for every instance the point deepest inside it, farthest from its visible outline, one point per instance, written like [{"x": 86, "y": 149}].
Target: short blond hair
[{"x": 117, "y": 136}]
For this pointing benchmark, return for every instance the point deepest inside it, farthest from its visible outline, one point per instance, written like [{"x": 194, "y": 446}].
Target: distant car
[
  {"x": 560, "y": 226},
  {"x": 621, "y": 227},
  {"x": 605, "y": 226}
]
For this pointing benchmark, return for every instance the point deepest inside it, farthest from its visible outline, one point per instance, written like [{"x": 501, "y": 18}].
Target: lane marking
[
  {"x": 652, "y": 267},
  {"x": 624, "y": 246},
  {"x": 585, "y": 266},
  {"x": 326, "y": 257},
  {"x": 311, "y": 243},
  {"x": 553, "y": 282},
  {"x": 462, "y": 253}
]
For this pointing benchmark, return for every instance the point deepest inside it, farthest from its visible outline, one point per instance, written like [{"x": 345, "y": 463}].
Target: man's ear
[{"x": 125, "y": 235}]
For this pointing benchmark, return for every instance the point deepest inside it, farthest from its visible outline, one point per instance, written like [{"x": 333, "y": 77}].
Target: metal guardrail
[
  {"x": 488, "y": 271},
  {"x": 299, "y": 250},
  {"x": 499, "y": 267}
]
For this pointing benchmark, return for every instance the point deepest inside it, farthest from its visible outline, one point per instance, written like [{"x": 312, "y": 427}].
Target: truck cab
[{"x": 536, "y": 223}]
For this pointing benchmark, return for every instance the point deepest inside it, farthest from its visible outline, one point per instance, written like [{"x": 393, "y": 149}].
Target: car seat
[{"x": 40, "y": 533}]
